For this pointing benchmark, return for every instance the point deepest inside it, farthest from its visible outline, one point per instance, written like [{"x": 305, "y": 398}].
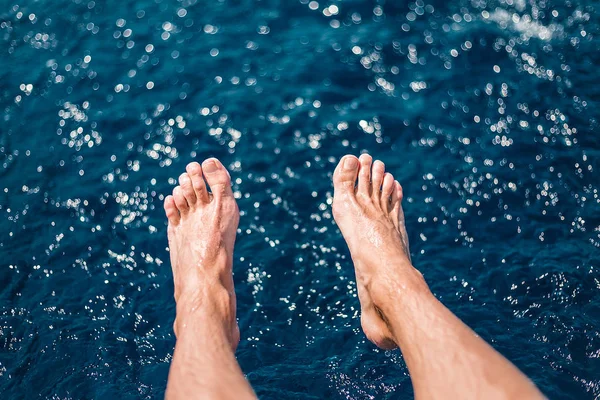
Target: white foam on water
[{"x": 522, "y": 24}]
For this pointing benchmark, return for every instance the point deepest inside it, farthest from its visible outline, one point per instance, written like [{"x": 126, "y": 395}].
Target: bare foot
[
  {"x": 202, "y": 229},
  {"x": 371, "y": 219}
]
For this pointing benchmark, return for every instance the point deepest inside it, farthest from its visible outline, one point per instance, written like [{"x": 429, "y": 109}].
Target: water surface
[{"x": 486, "y": 111}]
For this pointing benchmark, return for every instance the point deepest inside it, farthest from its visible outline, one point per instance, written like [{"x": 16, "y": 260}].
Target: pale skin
[{"x": 445, "y": 358}]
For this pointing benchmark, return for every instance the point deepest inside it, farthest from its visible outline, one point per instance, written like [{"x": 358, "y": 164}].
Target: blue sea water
[{"x": 486, "y": 111}]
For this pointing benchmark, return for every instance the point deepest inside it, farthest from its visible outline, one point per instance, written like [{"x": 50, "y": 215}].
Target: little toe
[
  {"x": 171, "y": 210},
  {"x": 217, "y": 178},
  {"x": 395, "y": 202},
  {"x": 397, "y": 214},
  {"x": 188, "y": 190},
  {"x": 377, "y": 177},
  {"x": 397, "y": 196},
  {"x": 344, "y": 176},
  {"x": 180, "y": 200},
  {"x": 194, "y": 171},
  {"x": 399, "y": 192},
  {"x": 364, "y": 174},
  {"x": 386, "y": 190}
]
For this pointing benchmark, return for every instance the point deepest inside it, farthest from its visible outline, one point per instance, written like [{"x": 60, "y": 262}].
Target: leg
[
  {"x": 202, "y": 229},
  {"x": 445, "y": 358}
]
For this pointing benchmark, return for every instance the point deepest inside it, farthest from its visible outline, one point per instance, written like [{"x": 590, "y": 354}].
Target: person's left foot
[{"x": 202, "y": 229}]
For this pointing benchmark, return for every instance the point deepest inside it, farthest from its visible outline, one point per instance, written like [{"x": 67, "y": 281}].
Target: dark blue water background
[{"x": 486, "y": 111}]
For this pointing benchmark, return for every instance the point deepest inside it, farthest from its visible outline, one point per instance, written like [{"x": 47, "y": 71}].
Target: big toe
[
  {"x": 217, "y": 178},
  {"x": 344, "y": 177}
]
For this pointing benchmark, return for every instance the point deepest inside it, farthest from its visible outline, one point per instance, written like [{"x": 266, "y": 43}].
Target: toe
[
  {"x": 180, "y": 200},
  {"x": 364, "y": 174},
  {"x": 377, "y": 178},
  {"x": 398, "y": 215},
  {"x": 387, "y": 188},
  {"x": 194, "y": 171},
  {"x": 396, "y": 203},
  {"x": 399, "y": 191},
  {"x": 217, "y": 177},
  {"x": 344, "y": 177},
  {"x": 171, "y": 210},
  {"x": 188, "y": 190}
]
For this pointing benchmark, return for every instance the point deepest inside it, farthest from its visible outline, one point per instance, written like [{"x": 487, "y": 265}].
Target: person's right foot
[{"x": 370, "y": 217}]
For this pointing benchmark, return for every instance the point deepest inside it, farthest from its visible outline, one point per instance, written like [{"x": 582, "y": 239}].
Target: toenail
[
  {"x": 210, "y": 166},
  {"x": 194, "y": 168},
  {"x": 350, "y": 163}
]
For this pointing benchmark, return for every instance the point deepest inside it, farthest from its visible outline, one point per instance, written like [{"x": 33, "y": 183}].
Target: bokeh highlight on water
[{"x": 486, "y": 111}]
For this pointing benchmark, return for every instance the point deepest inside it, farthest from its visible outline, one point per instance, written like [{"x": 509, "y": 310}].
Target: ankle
[
  {"x": 197, "y": 309},
  {"x": 389, "y": 295}
]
